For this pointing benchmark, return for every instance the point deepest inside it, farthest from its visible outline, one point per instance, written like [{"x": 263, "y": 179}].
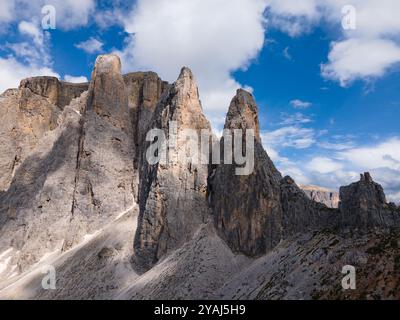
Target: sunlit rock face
[{"x": 322, "y": 195}]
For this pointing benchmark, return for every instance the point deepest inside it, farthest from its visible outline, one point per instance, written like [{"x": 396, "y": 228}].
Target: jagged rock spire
[
  {"x": 172, "y": 196},
  {"x": 246, "y": 209},
  {"x": 243, "y": 113}
]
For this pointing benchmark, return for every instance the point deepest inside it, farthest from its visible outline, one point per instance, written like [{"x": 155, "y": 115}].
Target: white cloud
[
  {"x": 298, "y": 104},
  {"x": 306, "y": 8},
  {"x": 286, "y": 54},
  {"x": 70, "y": 14},
  {"x": 336, "y": 146},
  {"x": 293, "y": 17},
  {"x": 359, "y": 58},
  {"x": 6, "y": 11},
  {"x": 31, "y": 29},
  {"x": 364, "y": 53},
  {"x": 212, "y": 37},
  {"x": 290, "y": 137},
  {"x": 73, "y": 79},
  {"x": 297, "y": 118},
  {"x": 12, "y": 72},
  {"x": 386, "y": 154},
  {"x": 90, "y": 46},
  {"x": 323, "y": 165},
  {"x": 27, "y": 58}
]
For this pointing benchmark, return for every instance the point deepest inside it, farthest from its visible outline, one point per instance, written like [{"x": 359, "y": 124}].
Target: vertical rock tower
[
  {"x": 246, "y": 209},
  {"x": 172, "y": 195}
]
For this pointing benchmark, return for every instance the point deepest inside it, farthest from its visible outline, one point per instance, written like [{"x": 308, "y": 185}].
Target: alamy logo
[
  {"x": 49, "y": 280},
  {"x": 349, "y": 281},
  {"x": 349, "y": 20},
  {"x": 193, "y": 146},
  {"x": 49, "y": 18}
]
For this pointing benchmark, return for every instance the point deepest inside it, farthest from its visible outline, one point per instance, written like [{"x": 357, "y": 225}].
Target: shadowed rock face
[
  {"x": 252, "y": 213},
  {"x": 172, "y": 197},
  {"x": 246, "y": 209},
  {"x": 363, "y": 205},
  {"x": 144, "y": 92}
]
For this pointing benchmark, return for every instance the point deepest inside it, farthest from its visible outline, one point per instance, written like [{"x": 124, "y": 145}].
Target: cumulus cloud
[
  {"x": 293, "y": 17},
  {"x": 385, "y": 154},
  {"x": 212, "y": 37},
  {"x": 27, "y": 58},
  {"x": 364, "y": 53},
  {"x": 70, "y": 14},
  {"x": 72, "y": 79},
  {"x": 360, "y": 59},
  {"x": 324, "y": 165},
  {"x": 12, "y": 71},
  {"x": 6, "y": 11},
  {"x": 31, "y": 29},
  {"x": 91, "y": 46}
]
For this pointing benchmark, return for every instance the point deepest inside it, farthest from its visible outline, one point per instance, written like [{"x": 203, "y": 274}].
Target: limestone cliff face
[
  {"x": 105, "y": 179},
  {"x": 35, "y": 209},
  {"x": 67, "y": 164},
  {"x": 327, "y": 197},
  {"x": 172, "y": 195},
  {"x": 27, "y": 114},
  {"x": 363, "y": 205},
  {"x": 59, "y": 93},
  {"x": 246, "y": 209}
]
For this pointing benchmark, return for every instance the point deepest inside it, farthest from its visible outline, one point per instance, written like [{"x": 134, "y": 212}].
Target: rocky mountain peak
[
  {"x": 243, "y": 113},
  {"x": 363, "y": 204},
  {"x": 184, "y": 105},
  {"x": 246, "y": 208},
  {"x": 186, "y": 73},
  {"x": 108, "y": 96},
  {"x": 107, "y": 64},
  {"x": 366, "y": 177}
]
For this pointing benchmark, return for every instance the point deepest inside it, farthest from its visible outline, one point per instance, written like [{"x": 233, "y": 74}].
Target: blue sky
[{"x": 329, "y": 98}]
